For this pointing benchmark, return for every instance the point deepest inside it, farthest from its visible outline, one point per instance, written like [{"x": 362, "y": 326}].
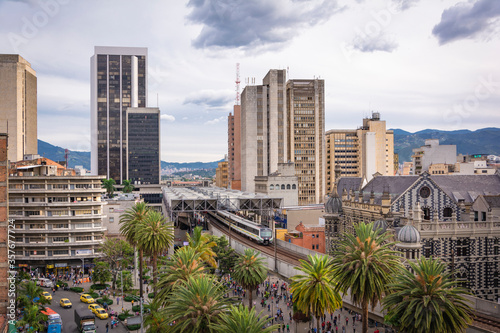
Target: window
[
  {"x": 312, "y": 235},
  {"x": 59, "y": 239},
  {"x": 37, "y": 226},
  {"x": 83, "y": 238},
  {"x": 425, "y": 192},
  {"x": 476, "y": 216},
  {"x": 111, "y": 219},
  {"x": 61, "y": 226},
  {"x": 463, "y": 248},
  {"x": 288, "y": 186},
  {"x": 427, "y": 213},
  {"x": 37, "y": 253},
  {"x": 294, "y": 187},
  {"x": 447, "y": 212},
  {"x": 317, "y": 235},
  {"x": 313, "y": 247},
  {"x": 83, "y": 225},
  {"x": 60, "y": 252},
  {"x": 271, "y": 187},
  {"x": 282, "y": 186},
  {"x": 483, "y": 216}
]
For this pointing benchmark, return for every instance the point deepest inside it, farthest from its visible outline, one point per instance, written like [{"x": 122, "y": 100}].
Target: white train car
[{"x": 256, "y": 232}]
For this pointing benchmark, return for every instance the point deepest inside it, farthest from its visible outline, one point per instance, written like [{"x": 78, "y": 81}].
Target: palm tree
[
  {"x": 129, "y": 222},
  {"x": 154, "y": 236},
  {"x": 314, "y": 292},
  {"x": 250, "y": 271},
  {"x": 154, "y": 320},
  {"x": 427, "y": 301},
  {"x": 185, "y": 263},
  {"x": 197, "y": 304},
  {"x": 202, "y": 244},
  {"x": 109, "y": 185},
  {"x": 34, "y": 318},
  {"x": 28, "y": 291},
  {"x": 242, "y": 319},
  {"x": 127, "y": 186},
  {"x": 365, "y": 264}
]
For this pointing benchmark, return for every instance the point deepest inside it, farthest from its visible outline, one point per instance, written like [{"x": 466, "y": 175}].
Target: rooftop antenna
[{"x": 237, "y": 102}]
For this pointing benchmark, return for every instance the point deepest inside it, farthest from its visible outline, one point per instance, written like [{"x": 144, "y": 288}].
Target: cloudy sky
[{"x": 421, "y": 63}]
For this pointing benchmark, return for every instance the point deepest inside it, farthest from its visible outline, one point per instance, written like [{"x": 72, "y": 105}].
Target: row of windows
[{"x": 283, "y": 187}]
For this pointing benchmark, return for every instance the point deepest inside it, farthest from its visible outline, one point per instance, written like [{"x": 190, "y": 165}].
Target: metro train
[{"x": 256, "y": 232}]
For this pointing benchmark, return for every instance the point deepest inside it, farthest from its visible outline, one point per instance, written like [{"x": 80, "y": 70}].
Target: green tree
[
  {"x": 242, "y": 319},
  {"x": 196, "y": 304},
  {"x": 427, "y": 301},
  {"x": 101, "y": 272},
  {"x": 154, "y": 320},
  {"x": 119, "y": 254},
  {"x": 34, "y": 318},
  {"x": 154, "y": 236},
  {"x": 127, "y": 186},
  {"x": 185, "y": 263},
  {"x": 226, "y": 254},
  {"x": 365, "y": 264},
  {"x": 109, "y": 185},
  {"x": 203, "y": 245},
  {"x": 128, "y": 228},
  {"x": 250, "y": 271},
  {"x": 314, "y": 291},
  {"x": 28, "y": 291},
  {"x": 127, "y": 280}
]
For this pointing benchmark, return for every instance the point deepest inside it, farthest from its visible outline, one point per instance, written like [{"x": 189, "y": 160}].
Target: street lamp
[{"x": 83, "y": 266}]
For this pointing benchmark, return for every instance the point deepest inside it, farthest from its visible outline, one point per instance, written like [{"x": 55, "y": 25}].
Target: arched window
[
  {"x": 287, "y": 186},
  {"x": 447, "y": 212},
  {"x": 277, "y": 186},
  {"x": 282, "y": 186},
  {"x": 427, "y": 213},
  {"x": 271, "y": 187},
  {"x": 294, "y": 187}
]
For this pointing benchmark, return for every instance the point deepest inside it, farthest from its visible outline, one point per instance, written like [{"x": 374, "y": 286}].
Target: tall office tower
[
  {"x": 118, "y": 78},
  {"x": 18, "y": 105},
  {"x": 263, "y": 128},
  {"x": 4, "y": 225},
  {"x": 306, "y": 137},
  {"x": 143, "y": 145},
  {"x": 360, "y": 152},
  {"x": 234, "y": 148}
]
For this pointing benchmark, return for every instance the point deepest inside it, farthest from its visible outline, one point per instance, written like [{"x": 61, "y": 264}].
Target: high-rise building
[
  {"x": 234, "y": 148},
  {"x": 118, "y": 81},
  {"x": 4, "y": 225},
  {"x": 143, "y": 145},
  {"x": 57, "y": 216},
  {"x": 360, "y": 152},
  {"x": 263, "y": 128},
  {"x": 18, "y": 105},
  {"x": 306, "y": 137},
  {"x": 221, "y": 175}
]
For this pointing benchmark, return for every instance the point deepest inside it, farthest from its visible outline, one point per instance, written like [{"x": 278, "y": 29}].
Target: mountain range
[{"x": 481, "y": 141}]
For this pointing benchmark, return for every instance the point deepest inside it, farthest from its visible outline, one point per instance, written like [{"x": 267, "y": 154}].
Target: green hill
[{"x": 56, "y": 153}]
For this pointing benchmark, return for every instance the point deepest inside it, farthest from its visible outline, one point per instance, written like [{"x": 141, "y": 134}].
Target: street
[{"x": 67, "y": 315}]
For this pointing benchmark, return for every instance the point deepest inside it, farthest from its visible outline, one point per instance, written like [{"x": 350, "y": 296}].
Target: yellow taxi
[
  {"x": 47, "y": 295},
  {"x": 86, "y": 298},
  {"x": 94, "y": 307},
  {"x": 101, "y": 313},
  {"x": 65, "y": 303}
]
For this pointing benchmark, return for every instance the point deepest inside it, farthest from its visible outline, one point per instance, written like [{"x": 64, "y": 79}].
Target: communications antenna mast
[{"x": 237, "y": 83}]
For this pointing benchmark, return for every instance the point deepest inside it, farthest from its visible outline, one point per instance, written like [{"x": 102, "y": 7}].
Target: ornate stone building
[{"x": 453, "y": 217}]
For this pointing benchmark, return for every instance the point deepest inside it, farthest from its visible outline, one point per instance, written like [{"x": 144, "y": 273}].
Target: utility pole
[
  {"x": 275, "y": 241},
  {"x": 122, "y": 287}
]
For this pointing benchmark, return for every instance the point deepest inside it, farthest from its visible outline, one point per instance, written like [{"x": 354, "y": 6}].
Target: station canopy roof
[{"x": 193, "y": 199}]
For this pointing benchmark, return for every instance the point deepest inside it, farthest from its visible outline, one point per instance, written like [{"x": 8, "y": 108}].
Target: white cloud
[
  {"x": 167, "y": 117},
  {"x": 215, "y": 121}
]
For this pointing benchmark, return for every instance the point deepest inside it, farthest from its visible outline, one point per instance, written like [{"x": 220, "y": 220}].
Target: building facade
[
  {"x": 306, "y": 137},
  {"x": 57, "y": 218},
  {"x": 360, "y": 152},
  {"x": 234, "y": 148},
  {"x": 263, "y": 129},
  {"x": 143, "y": 145},
  {"x": 118, "y": 80},
  {"x": 280, "y": 184},
  {"x": 432, "y": 153},
  {"x": 442, "y": 216},
  {"x": 4, "y": 225},
  {"x": 221, "y": 175},
  {"x": 310, "y": 237},
  {"x": 18, "y": 105}
]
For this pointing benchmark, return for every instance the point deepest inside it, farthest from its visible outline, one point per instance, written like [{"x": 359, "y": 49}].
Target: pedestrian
[
  {"x": 107, "y": 327},
  {"x": 287, "y": 327},
  {"x": 118, "y": 301}
]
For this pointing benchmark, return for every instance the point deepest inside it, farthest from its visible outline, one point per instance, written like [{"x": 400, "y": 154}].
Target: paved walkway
[{"x": 118, "y": 305}]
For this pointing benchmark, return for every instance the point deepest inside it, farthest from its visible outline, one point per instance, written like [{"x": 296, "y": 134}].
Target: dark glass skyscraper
[{"x": 118, "y": 81}]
